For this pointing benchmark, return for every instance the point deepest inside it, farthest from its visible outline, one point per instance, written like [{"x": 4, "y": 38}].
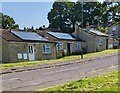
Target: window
[
  {"x": 77, "y": 46},
  {"x": 110, "y": 45},
  {"x": 100, "y": 41},
  {"x": 30, "y": 49},
  {"x": 114, "y": 28},
  {"x": 46, "y": 49},
  {"x": 25, "y": 56},
  {"x": 60, "y": 46},
  {"x": 19, "y": 55}
]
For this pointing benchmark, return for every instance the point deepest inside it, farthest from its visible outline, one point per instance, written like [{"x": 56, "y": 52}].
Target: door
[
  {"x": 107, "y": 43},
  {"x": 68, "y": 48},
  {"x": 31, "y": 52}
]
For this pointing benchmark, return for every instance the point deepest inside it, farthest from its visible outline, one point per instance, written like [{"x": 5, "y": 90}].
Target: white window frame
[
  {"x": 60, "y": 46},
  {"x": 100, "y": 42},
  {"x": 19, "y": 55},
  {"x": 114, "y": 28},
  {"x": 25, "y": 56},
  {"x": 46, "y": 49},
  {"x": 77, "y": 46}
]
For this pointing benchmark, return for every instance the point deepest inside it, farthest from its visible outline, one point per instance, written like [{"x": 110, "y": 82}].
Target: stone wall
[
  {"x": 39, "y": 55},
  {"x": 5, "y": 51},
  {"x": 16, "y": 48},
  {"x": 115, "y": 33},
  {"x": 92, "y": 41},
  {"x": 12, "y": 49},
  {"x": 72, "y": 47},
  {"x": 100, "y": 47}
]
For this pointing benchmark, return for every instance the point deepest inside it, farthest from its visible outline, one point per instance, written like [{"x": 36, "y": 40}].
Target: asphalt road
[{"x": 42, "y": 78}]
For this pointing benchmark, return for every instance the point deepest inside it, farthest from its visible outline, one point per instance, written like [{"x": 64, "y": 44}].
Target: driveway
[{"x": 47, "y": 77}]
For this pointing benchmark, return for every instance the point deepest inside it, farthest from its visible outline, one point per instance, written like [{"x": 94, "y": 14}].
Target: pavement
[
  {"x": 50, "y": 65},
  {"x": 47, "y": 75}
]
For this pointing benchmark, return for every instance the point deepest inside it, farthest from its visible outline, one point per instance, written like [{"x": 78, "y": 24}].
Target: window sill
[
  {"x": 47, "y": 53},
  {"x": 60, "y": 50}
]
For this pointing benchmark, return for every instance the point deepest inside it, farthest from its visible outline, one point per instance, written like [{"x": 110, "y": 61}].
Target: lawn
[
  {"x": 67, "y": 58},
  {"x": 105, "y": 82}
]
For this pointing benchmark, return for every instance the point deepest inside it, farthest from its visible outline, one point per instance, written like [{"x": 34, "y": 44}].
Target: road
[{"x": 42, "y": 78}]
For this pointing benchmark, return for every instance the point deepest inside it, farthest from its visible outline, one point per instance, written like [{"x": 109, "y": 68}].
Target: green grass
[
  {"x": 67, "y": 58},
  {"x": 105, "y": 82}
]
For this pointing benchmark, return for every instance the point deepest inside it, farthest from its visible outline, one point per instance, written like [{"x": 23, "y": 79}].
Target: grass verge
[
  {"x": 105, "y": 82},
  {"x": 67, "y": 58}
]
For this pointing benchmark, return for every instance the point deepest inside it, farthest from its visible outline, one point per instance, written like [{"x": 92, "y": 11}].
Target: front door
[
  {"x": 31, "y": 52},
  {"x": 107, "y": 43},
  {"x": 68, "y": 48}
]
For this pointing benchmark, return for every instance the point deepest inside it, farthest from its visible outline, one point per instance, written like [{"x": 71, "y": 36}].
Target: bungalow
[
  {"x": 95, "y": 40},
  {"x": 66, "y": 43},
  {"x": 113, "y": 29},
  {"x": 25, "y": 46}
]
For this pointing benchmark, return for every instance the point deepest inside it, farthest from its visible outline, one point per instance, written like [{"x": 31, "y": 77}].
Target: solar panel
[
  {"x": 62, "y": 35},
  {"x": 29, "y": 36}
]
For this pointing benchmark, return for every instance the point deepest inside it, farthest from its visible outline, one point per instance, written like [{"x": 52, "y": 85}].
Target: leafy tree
[
  {"x": 64, "y": 14},
  {"x": 115, "y": 11},
  {"x": 8, "y": 22},
  {"x": 88, "y": 12},
  {"x": 60, "y": 15},
  {"x": 110, "y": 12}
]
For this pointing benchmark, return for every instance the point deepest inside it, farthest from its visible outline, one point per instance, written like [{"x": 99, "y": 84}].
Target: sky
[{"x": 28, "y": 14}]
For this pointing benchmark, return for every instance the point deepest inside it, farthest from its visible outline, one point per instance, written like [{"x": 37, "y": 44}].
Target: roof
[
  {"x": 113, "y": 24},
  {"x": 95, "y": 32},
  {"x": 98, "y": 32},
  {"x": 20, "y": 36},
  {"x": 32, "y": 36},
  {"x": 62, "y": 35},
  {"x": 8, "y": 36},
  {"x": 53, "y": 29}
]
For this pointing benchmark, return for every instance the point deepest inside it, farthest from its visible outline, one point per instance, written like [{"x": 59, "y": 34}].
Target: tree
[
  {"x": 110, "y": 12},
  {"x": 60, "y": 14},
  {"x": 63, "y": 15},
  {"x": 8, "y": 22},
  {"x": 88, "y": 12}
]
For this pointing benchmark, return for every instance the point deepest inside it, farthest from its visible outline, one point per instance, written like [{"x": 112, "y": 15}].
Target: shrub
[{"x": 60, "y": 55}]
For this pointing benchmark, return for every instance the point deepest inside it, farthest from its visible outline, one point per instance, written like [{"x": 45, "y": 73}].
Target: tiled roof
[
  {"x": 24, "y": 36},
  {"x": 98, "y": 32},
  {"x": 8, "y": 36}
]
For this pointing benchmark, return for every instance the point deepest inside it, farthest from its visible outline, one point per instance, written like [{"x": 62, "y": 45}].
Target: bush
[
  {"x": 102, "y": 29},
  {"x": 59, "y": 55}
]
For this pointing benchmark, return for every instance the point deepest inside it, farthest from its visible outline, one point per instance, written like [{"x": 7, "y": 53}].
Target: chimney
[
  {"x": 10, "y": 29},
  {"x": 43, "y": 27},
  {"x": 43, "y": 33},
  {"x": 87, "y": 26}
]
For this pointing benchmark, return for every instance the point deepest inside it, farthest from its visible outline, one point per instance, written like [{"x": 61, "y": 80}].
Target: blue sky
[{"x": 28, "y": 14}]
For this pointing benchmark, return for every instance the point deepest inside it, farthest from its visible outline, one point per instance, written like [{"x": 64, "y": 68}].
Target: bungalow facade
[
  {"x": 95, "y": 40},
  {"x": 66, "y": 43},
  {"x": 114, "y": 30},
  {"x": 25, "y": 46}
]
